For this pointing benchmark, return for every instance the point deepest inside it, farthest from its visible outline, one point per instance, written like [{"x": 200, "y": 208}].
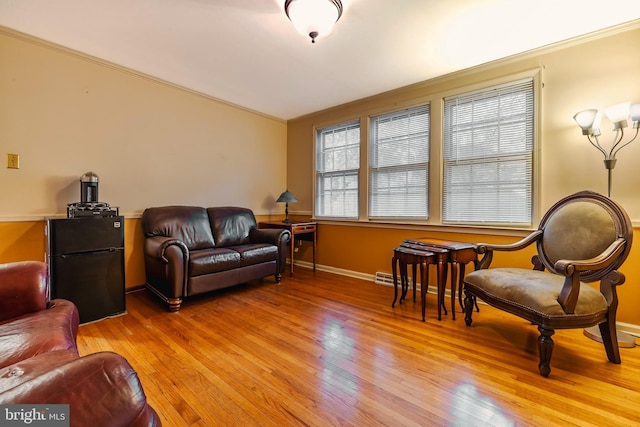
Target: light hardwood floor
[{"x": 321, "y": 349}]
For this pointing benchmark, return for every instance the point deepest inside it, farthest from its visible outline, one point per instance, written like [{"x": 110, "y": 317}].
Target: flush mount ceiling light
[{"x": 313, "y": 17}]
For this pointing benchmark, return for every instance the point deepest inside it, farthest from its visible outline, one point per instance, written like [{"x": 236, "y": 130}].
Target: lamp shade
[
  {"x": 585, "y": 120},
  {"x": 313, "y": 18},
  {"x": 634, "y": 112},
  {"x": 618, "y": 114},
  {"x": 287, "y": 197}
]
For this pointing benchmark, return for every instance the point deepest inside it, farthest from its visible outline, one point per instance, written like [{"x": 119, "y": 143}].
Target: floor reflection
[
  {"x": 339, "y": 349},
  {"x": 470, "y": 408}
]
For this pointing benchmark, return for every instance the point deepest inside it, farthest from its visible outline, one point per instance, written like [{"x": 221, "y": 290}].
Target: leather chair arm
[
  {"x": 102, "y": 389},
  {"x": 23, "y": 288},
  {"x": 568, "y": 267},
  {"x": 568, "y": 297}
]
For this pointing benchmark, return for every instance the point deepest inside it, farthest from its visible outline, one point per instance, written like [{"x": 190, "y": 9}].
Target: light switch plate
[{"x": 13, "y": 161}]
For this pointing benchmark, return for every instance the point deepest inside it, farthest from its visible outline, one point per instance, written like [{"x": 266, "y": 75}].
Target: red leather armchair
[{"x": 39, "y": 361}]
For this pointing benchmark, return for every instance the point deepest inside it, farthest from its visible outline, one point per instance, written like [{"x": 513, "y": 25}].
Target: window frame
[
  {"x": 373, "y": 150},
  {"x": 335, "y": 173},
  {"x": 498, "y": 163}
]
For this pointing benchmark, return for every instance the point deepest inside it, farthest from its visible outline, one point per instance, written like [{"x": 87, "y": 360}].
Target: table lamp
[{"x": 287, "y": 197}]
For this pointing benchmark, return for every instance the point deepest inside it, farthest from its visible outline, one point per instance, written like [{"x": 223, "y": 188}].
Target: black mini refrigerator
[{"x": 86, "y": 264}]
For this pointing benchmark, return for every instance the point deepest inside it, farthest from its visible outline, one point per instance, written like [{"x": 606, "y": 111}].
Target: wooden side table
[
  {"x": 403, "y": 256},
  {"x": 299, "y": 230},
  {"x": 442, "y": 259},
  {"x": 460, "y": 254}
]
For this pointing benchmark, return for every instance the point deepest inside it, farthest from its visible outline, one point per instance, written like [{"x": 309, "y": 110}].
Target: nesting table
[{"x": 443, "y": 252}]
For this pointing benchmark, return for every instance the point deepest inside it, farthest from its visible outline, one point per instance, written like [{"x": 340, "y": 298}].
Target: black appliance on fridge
[{"x": 86, "y": 264}]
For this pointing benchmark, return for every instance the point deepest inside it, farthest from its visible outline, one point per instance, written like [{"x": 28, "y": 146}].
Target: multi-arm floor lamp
[{"x": 589, "y": 122}]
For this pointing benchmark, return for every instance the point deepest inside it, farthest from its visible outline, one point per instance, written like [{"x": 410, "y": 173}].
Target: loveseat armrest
[
  {"x": 102, "y": 389},
  {"x": 166, "y": 266},
  {"x": 159, "y": 247},
  {"x": 275, "y": 236},
  {"x": 23, "y": 288}
]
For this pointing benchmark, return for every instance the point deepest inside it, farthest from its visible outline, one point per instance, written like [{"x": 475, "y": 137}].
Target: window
[
  {"x": 337, "y": 171},
  {"x": 399, "y": 164},
  {"x": 488, "y": 155}
]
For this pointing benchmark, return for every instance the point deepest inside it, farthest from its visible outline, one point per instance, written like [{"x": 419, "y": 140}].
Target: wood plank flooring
[{"x": 326, "y": 350}]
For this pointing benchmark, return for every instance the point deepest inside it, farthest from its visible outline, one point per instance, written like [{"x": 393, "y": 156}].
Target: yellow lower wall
[
  {"x": 25, "y": 240},
  {"x": 368, "y": 250},
  {"x": 364, "y": 250}
]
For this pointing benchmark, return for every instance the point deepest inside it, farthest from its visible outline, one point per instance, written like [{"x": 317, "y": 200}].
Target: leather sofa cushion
[
  {"x": 209, "y": 261},
  {"x": 190, "y": 224},
  {"x": 36, "y": 333},
  {"x": 231, "y": 225},
  {"x": 33, "y": 367},
  {"x": 257, "y": 253}
]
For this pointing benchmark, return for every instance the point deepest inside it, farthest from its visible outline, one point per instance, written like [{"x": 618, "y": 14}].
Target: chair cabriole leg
[
  {"x": 610, "y": 341},
  {"x": 545, "y": 348},
  {"x": 468, "y": 307}
]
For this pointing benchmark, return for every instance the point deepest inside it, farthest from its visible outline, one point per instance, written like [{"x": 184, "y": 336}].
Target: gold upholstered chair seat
[{"x": 514, "y": 285}]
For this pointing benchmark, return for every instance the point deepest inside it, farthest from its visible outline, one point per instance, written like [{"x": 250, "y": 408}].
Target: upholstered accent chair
[{"x": 583, "y": 238}]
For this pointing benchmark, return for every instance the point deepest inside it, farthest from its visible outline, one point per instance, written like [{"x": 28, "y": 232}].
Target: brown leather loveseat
[
  {"x": 39, "y": 361},
  {"x": 191, "y": 250}
]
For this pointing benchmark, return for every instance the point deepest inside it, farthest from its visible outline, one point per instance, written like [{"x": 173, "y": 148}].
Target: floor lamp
[{"x": 589, "y": 122}]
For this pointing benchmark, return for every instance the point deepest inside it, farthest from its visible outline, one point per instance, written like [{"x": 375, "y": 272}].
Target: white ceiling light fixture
[{"x": 313, "y": 18}]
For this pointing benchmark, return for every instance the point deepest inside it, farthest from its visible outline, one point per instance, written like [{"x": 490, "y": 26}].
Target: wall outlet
[{"x": 13, "y": 161}]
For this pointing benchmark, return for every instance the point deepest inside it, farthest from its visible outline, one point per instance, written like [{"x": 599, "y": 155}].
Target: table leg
[
  {"x": 460, "y": 284},
  {"x": 404, "y": 280},
  {"x": 454, "y": 285},
  {"x": 315, "y": 243},
  {"x": 293, "y": 248},
  {"x": 442, "y": 286},
  {"x": 415, "y": 279},
  {"x": 394, "y": 271},
  {"x": 424, "y": 284}
]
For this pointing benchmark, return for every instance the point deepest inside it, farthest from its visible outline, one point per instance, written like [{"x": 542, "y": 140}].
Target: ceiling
[{"x": 247, "y": 52}]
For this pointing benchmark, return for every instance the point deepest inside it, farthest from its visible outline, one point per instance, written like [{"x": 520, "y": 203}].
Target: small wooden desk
[{"x": 299, "y": 230}]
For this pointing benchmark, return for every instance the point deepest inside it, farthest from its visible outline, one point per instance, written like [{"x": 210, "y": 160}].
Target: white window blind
[
  {"x": 399, "y": 164},
  {"x": 488, "y": 155},
  {"x": 337, "y": 171}
]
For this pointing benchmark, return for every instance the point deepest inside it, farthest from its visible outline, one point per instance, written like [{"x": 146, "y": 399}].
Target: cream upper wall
[
  {"x": 150, "y": 143},
  {"x": 591, "y": 72}
]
